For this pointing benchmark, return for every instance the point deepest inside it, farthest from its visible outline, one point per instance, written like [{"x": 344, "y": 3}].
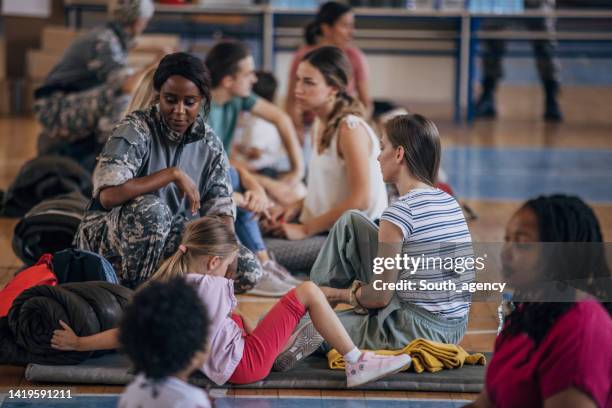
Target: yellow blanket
[{"x": 426, "y": 355}]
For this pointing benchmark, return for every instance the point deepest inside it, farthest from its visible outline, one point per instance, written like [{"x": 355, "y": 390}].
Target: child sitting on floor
[
  {"x": 164, "y": 332},
  {"x": 240, "y": 353},
  {"x": 257, "y": 144}
]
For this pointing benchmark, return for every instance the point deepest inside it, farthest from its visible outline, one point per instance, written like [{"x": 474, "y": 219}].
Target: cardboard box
[
  {"x": 40, "y": 63},
  {"x": 31, "y": 85},
  {"x": 57, "y": 38},
  {"x": 148, "y": 42}
]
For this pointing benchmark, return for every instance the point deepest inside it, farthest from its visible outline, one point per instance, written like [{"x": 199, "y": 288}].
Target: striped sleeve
[{"x": 400, "y": 215}]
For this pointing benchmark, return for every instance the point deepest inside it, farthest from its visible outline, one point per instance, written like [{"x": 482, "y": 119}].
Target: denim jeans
[{"x": 246, "y": 225}]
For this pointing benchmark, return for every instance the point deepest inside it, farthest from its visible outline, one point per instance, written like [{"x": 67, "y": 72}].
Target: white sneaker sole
[
  {"x": 307, "y": 341},
  {"x": 381, "y": 375}
]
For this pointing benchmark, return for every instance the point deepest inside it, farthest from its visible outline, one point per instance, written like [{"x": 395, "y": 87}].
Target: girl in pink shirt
[
  {"x": 553, "y": 352},
  {"x": 240, "y": 353}
]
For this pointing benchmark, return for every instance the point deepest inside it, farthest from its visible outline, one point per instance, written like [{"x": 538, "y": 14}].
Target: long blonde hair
[
  {"x": 145, "y": 95},
  {"x": 206, "y": 236},
  {"x": 332, "y": 63}
]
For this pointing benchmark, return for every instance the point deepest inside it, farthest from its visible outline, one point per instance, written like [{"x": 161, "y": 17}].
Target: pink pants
[{"x": 264, "y": 344}]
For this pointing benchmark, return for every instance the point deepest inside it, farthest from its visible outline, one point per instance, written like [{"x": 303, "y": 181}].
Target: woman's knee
[
  {"x": 149, "y": 212},
  {"x": 355, "y": 219}
]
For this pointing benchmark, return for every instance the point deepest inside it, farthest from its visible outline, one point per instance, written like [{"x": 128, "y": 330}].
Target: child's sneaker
[
  {"x": 372, "y": 367},
  {"x": 306, "y": 340}
]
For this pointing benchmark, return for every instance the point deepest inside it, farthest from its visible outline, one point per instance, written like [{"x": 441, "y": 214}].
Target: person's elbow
[
  {"x": 360, "y": 202},
  {"x": 106, "y": 199}
]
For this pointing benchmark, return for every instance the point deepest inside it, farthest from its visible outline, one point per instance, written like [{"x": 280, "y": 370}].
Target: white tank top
[{"x": 327, "y": 178}]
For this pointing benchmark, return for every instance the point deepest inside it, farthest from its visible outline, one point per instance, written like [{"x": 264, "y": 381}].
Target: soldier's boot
[
  {"x": 485, "y": 107},
  {"x": 552, "y": 111}
]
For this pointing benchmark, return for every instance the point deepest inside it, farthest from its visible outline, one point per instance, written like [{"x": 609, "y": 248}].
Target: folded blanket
[
  {"x": 426, "y": 355},
  {"x": 87, "y": 307}
]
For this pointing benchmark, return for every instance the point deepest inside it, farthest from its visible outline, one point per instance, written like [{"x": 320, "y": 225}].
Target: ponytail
[
  {"x": 312, "y": 32},
  {"x": 207, "y": 236},
  {"x": 335, "y": 67},
  {"x": 345, "y": 105}
]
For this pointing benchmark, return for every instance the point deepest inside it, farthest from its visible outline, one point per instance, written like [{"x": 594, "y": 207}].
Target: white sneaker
[
  {"x": 281, "y": 272},
  {"x": 372, "y": 367},
  {"x": 270, "y": 286}
]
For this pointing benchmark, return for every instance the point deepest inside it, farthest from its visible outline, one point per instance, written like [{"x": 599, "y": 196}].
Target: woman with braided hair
[
  {"x": 553, "y": 353},
  {"x": 343, "y": 173}
]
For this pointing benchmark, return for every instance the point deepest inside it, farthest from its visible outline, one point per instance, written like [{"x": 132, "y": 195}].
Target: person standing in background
[{"x": 546, "y": 61}]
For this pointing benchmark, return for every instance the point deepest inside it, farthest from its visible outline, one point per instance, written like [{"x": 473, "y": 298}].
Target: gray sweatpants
[{"x": 348, "y": 254}]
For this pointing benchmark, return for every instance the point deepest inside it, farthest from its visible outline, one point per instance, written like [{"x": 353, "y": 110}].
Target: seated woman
[
  {"x": 423, "y": 220},
  {"x": 553, "y": 353},
  {"x": 161, "y": 167},
  {"x": 85, "y": 93},
  {"x": 343, "y": 173},
  {"x": 250, "y": 199},
  {"x": 334, "y": 24}
]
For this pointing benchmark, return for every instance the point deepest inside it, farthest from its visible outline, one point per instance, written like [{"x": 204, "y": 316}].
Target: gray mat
[
  {"x": 296, "y": 256},
  {"x": 310, "y": 373}
]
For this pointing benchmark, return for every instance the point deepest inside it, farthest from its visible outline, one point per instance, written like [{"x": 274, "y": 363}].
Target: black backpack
[
  {"x": 77, "y": 265},
  {"x": 49, "y": 227},
  {"x": 41, "y": 178}
]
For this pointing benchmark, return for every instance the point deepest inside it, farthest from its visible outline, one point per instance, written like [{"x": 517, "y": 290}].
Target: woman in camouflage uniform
[
  {"x": 161, "y": 167},
  {"x": 85, "y": 94}
]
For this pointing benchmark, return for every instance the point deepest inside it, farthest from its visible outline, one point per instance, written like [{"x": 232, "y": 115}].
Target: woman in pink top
[
  {"x": 239, "y": 352},
  {"x": 552, "y": 351},
  {"x": 333, "y": 25}
]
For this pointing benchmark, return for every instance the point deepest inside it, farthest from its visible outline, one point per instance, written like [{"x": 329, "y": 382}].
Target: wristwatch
[{"x": 353, "y": 298}]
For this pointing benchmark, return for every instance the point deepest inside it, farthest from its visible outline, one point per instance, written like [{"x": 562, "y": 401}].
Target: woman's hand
[
  {"x": 292, "y": 232},
  {"x": 187, "y": 188},
  {"x": 257, "y": 201},
  {"x": 65, "y": 339}
]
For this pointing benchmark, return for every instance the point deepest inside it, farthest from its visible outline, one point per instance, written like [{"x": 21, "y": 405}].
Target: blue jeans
[{"x": 246, "y": 225}]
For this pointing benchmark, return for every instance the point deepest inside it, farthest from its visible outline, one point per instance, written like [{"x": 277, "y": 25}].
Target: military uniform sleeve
[
  {"x": 110, "y": 59},
  {"x": 123, "y": 154},
  {"x": 217, "y": 195}
]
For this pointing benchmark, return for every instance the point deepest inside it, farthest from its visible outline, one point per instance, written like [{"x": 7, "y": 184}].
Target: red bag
[
  {"x": 446, "y": 188},
  {"x": 39, "y": 274}
]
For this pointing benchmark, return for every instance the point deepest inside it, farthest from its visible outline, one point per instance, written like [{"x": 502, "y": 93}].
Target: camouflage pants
[
  {"x": 544, "y": 50},
  {"x": 70, "y": 119},
  {"x": 137, "y": 236}
]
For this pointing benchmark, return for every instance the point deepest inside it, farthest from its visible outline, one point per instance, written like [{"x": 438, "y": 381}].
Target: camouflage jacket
[
  {"x": 94, "y": 58},
  {"x": 143, "y": 144}
]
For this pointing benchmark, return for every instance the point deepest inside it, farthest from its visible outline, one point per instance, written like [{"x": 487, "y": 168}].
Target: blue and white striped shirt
[{"x": 433, "y": 225}]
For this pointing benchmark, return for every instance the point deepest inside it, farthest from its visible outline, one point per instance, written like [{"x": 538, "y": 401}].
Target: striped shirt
[{"x": 434, "y": 230}]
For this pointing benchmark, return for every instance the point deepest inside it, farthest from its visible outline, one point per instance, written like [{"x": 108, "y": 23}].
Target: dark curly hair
[
  {"x": 563, "y": 218},
  {"x": 189, "y": 67},
  {"x": 163, "y": 327}
]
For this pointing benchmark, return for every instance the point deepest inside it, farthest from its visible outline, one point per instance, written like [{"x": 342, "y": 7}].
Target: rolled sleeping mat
[
  {"x": 87, "y": 307},
  {"x": 49, "y": 227}
]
